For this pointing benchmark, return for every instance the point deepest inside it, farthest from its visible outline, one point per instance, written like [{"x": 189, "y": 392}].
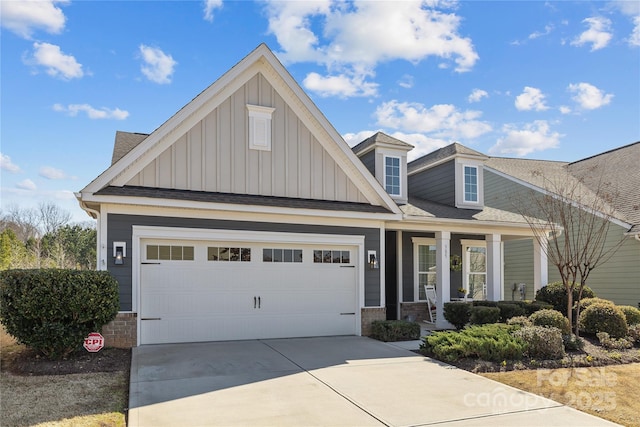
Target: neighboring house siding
[
  {"x": 369, "y": 161},
  {"x": 436, "y": 184},
  {"x": 215, "y": 156},
  {"x": 618, "y": 279},
  {"x": 518, "y": 268},
  {"x": 120, "y": 229}
]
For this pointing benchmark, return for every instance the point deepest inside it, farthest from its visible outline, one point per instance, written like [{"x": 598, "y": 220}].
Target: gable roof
[
  {"x": 380, "y": 138},
  {"x": 441, "y": 155},
  {"x": 133, "y": 153}
]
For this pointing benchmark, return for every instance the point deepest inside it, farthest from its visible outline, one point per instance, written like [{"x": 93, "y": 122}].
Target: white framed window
[
  {"x": 392, "y": 175},
  {"x": 474, "y": 268},
  {"x": 424, "y": 265},
  {"x": 260, "y": 127},
  {"x": 470, "y": 184}
]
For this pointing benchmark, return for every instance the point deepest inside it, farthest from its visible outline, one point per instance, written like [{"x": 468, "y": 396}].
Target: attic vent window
[{"x": 260, "y": 127}]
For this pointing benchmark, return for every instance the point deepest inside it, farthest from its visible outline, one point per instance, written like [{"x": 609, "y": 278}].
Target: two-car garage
[{"x": 212, "y": 285}]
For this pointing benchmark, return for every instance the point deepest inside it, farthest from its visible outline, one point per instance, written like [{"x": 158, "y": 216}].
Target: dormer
[
  {"x": 386, "y": 159},
  {"x": 452, "y": 175}
]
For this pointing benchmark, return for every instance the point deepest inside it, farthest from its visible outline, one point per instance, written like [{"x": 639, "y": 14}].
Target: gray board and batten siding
[
  {"x": 120, "y": 230},
  {"x": 369, "y": 161},
  {"x": 436, "y": 184}
]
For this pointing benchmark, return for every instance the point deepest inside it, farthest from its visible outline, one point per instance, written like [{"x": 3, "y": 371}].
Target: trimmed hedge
[
  {"x": 487, "y": 342},
  {"x": 457, "y": 313},
  {"x": 542, "y": 342},
  {"x": 603, "y": 318},
  {"x": 556, "y": 295},
  {"x": 631, "y": 313},
  {"x": 551, "y": 318},
  {"x": 509, "y": 310},
  {"x": 481, "y": 315},
  {"x": 520, "y": 321},
  {"x": 52, "y": 310},
  {"x": 394, "y": 330}
]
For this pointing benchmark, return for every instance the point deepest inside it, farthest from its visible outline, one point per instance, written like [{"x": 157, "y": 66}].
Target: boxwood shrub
[
  {"x": 457, "y": 313},
  {"x": 542, "y": 342},
  {"x": 52, "y": 310},
  {"x": 631, "y": 313},
  {"x": 481, "y": 315},
  {"x": 394, "y": 330},
  {"x": 487, "y": 342},
  {"x": 509, "y": 310},
  {"x": 556, "y": 295},
  {"x": 551, "y": 318},
  {"x": 603, "y": 318}
]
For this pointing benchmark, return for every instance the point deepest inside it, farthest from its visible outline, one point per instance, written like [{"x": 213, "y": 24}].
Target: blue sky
[{"x": 548, "y": 80}]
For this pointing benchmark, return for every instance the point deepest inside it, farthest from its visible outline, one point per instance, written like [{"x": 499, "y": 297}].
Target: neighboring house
[{"x": 246, "y": 215}]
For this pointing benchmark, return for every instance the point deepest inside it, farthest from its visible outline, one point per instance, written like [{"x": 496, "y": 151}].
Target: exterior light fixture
[
  {"x": 373, "y": 260},
  {"x": 119, "y": 252}
]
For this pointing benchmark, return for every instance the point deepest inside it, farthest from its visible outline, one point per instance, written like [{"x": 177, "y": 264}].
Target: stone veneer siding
[
  {"x": 415, "y": 311},
  {"x": 368, "y": 315},
  {"x": 121, "y": 332}
]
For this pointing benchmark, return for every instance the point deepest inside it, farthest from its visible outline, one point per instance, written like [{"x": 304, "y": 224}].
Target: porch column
[
  {"x": 443, "y": 278},
  {"x": 494, "y": 267},
  {"x": 540, "y": 264}
]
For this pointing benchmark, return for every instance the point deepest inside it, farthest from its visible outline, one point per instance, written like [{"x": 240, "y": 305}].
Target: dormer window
[
  {"x": 392, "y": 175},
  {"x": 471, "y": 184}
]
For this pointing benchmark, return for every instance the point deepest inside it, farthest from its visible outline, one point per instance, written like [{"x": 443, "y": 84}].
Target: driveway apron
[{"x": 325, "y": 381}]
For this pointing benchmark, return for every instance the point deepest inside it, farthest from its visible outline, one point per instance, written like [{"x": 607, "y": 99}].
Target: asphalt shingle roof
[
  {"x": 380, "y": 137},
  {"x": 428, "y": 209},
  {"x": 125, "y": 142},
  {"x": 441, "y": 154}
]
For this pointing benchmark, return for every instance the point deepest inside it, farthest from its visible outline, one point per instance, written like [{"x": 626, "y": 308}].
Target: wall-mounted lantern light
[
  {"x": 373, "y": 259},
  {"x": 119, "y": 252}
]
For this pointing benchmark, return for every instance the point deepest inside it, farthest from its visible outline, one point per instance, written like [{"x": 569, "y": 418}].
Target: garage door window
[
  {"x": 218, "y": 253},
  {"x": 281, "y": 255},
  {"x": 331, "y": 257},
  {"x": 170, "y": 253}
]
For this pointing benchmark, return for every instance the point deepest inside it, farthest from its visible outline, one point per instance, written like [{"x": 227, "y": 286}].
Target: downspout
[{"x": 96, "y": 215}]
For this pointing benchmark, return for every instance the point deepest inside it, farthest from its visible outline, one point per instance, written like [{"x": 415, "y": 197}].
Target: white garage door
[{"x": 223, "y": 290}]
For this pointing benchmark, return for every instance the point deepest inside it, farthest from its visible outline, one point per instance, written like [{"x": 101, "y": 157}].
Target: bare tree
[
  {"x": 51, "y": 217},
  {"x": 571, "y": 221}
]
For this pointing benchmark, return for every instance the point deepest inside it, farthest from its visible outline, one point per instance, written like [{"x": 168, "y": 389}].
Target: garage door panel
[{"x": 208, "y": 300}]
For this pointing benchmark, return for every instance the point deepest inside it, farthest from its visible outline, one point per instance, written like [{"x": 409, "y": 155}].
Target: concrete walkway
[{"x": 327, "y": 381}]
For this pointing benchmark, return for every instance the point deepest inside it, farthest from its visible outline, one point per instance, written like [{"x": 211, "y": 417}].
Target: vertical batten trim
[
  {"x": 173, "y": 165},
  {"x": 203, "y": 154},
  {"x": 188, "y": 160},
  {"x": 286, "y": 152},
  {"x": 232, "y": 134},
  {"x": 218, "y": 140}
]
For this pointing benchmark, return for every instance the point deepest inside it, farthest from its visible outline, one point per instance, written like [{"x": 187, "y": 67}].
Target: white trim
[
  {"x": 260, "y": 117},
  {"x": 539, "y": 189},
  {"x": 140, "y": 232},
  {"x": 466, "y": 244},
  {"x": 384, "y": 174},
  {"x": 461, "y": 202},
  {"x": 464, "y": 184},
  {"x": 399, "y": 272},
  {"x": 417, "y": 242},
  {"x": 382, "y": 263}
]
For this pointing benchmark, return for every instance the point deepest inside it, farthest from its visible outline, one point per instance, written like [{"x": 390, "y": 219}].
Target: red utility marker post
[{"x": 94, "y": 342}]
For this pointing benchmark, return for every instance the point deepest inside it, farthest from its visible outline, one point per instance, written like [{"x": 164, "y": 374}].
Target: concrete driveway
[{"x": 326, "y": 381}]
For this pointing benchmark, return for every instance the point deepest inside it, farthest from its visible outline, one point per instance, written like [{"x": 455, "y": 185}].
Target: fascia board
[
  {"x": 182, "y": 204},
  {"x": 411, "y": 223},
  {"x": 541, "y": 190}
]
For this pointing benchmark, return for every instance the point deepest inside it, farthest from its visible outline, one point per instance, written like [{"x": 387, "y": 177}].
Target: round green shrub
[
  {"x": 457, "y": 313},
  {"x": 509, "y": 310},
  {"x": 519, "y": 321},
  {"x": 482, "y": 315},
  {"x": 586, "y": 302},
  {"x": 542, "y": 342},
  {"x": 556, "y": 295},
  {"x": 52, "y": 310},
  {"x": 631, "y": 313},
  {"x": 603, "y": 318},
  {"x": 550, "y": 318}
]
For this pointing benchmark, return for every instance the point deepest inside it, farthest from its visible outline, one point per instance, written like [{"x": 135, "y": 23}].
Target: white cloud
[
  {"x": 342, "y": 86},
  {"x": 477, "y": 95},
  {"x": 440, "y": 121},
  {"x": 588, "y": 96},
  {"x": 27, "y": 184},
  {"x": 354, "y": 139},
  {"x": 93, "y": 113},
  {"x": 536, "y": 136},
  {"x": 634, "y": 39},
  {"x": 26, "y": 16},
  {"x": 209, "y": 7},
  {"x": 564, "y": 109},
  {"x": 353, "y": 38},
  {"x": 7, "y": 165},
  {"x": 57, "y": 63},
  {"x": 599, "y": 33},
  {"x": 52, "y": 173},
  {"x": 158, "y": 66},
  {"x": 422, "y": 143},
  {"x": 537, "y": 34},
  {"x": 531, "y": 99},
  {"x": 406, "y": 81}
]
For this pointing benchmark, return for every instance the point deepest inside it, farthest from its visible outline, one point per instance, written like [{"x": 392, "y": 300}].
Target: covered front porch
[{"x": 461, "y": 262}]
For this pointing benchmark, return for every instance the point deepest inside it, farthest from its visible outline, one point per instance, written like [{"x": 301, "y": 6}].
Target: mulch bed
[{"x": 28, "y": 362}]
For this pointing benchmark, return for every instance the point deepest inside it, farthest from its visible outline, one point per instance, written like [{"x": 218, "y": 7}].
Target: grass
[
  {"x": 85, "y": 399},
  {"x": 608, "y": 392}
]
